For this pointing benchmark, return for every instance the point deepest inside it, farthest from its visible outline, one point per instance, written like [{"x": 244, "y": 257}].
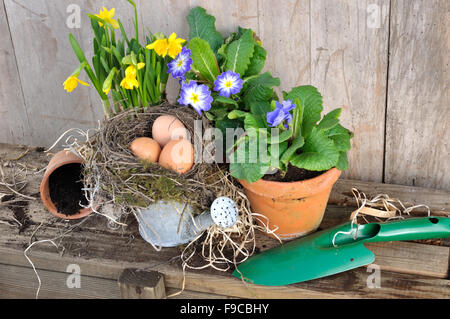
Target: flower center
[
  {"x": 194, "y": 98},
  {"x": 228, "y": 84},
  {"x": 180, "y": 63}
]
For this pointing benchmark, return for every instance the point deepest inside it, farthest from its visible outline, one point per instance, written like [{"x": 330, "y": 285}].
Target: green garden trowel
[{"x": 334, "y": 250}]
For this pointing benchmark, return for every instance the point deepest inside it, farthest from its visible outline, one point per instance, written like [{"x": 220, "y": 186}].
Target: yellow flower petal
[
  {"x": 174, "y": 50},
  {"x": 140, "y": 65},
  {"x": 81, "y": 82},
  {"x": 70, "y": 84},
  {"x": 160, "y": 46},
  {"x": 130, "y": 72},
  {"x": 129, "y": 83},
  {"x": 106, "y": 91},
  {"x": 174, "y": 45},
  {"x": 111, "y": 12},
  {"x": 114, "y": 23},
  {"x": 172, "y": 37},
  {"x": 99, "y": 16},
  {"x": 107, "y": 16}
]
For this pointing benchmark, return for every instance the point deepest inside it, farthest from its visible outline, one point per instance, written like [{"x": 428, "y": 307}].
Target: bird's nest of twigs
[
  {"x": 130, "y": 182},
  {"x": 114, "y": 176}
]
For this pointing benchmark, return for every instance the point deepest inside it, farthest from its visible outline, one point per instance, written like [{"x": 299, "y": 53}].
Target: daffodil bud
[{"x": 108, "y": 82}]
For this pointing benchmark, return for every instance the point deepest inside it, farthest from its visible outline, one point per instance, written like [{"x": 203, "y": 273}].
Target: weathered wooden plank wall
[
  {"x": 384, "y": 62},
  {"x": 15, "y": 124},
  {"x": 418, "y": 112}
]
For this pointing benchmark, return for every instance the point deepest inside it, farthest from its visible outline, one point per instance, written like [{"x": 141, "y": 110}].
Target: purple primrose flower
[
  {"x": 198, "y": 96},
  {"x": 228, "y": 83},
  {"x": 281, "y": 113},
  {"x": 181, "y": 64}
]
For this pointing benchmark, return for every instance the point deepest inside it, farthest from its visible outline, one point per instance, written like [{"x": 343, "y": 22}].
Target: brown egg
[
  {"x": 166, "y": 128},
  {"x": 177, "y": 155},
  {"x": 146, "y": 149}
]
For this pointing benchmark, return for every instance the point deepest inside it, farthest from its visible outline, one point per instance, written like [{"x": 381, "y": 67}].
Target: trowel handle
[{"x": 413, "y": 229}]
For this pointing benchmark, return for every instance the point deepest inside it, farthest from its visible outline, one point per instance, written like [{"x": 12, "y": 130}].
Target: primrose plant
[
  {"x": 289, "y": 133},
  {"x": 219, "y": 75}
]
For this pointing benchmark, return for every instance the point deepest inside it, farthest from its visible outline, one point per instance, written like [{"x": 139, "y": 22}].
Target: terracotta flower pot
[
  {"x": 60, "y": 159},
  {"x": 296, "y": 208}
]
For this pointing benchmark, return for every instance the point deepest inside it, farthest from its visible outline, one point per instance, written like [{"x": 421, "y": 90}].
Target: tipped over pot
[
  {"x": 294, "y": 209},
  {"x": 62, "y": 187}
]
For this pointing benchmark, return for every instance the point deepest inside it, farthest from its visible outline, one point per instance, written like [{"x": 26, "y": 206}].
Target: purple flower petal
[
  {"x": 198, "y": 96},
  {"x": 228, "y": 83},
  {"x": 281, "y": 113},
  {"x": 181, "y": 64}
]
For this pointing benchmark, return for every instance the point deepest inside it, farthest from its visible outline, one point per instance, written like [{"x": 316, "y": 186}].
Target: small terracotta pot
[
  {"x": 61, "y": 158},
  {"x": 296, "y": 208}
]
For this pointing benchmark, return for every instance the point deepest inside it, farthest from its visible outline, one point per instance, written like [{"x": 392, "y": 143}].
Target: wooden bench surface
[{"x": 407, "y": 269}]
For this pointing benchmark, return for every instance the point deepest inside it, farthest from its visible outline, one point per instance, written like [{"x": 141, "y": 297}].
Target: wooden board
[
  {"x": 20, "y": 283},
  {"x": 104, "y": 253},
  {"x": 141, "y": 284},
  {"x": 351, "y": 284},
  {"x": 285, "y": 34},
  {"x": 13, "y": 112},
  {"x": 417, "y": 131},
  {"x": 43, "y": 65},
  {"x": 437, "y": 200},
  {"x": 349, "y": 66}
]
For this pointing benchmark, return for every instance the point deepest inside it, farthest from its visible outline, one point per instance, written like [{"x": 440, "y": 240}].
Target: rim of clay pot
[
  {"x": 297, "y": 189},
  {"x": 61, "y": 158}
]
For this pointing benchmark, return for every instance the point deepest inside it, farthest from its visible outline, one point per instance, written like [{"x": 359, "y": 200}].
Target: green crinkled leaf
[
  {"x": 318, "y": 154},
  {"x": 253, "y": 121},
  {"x": 330, "y": 120},
  {"x": 275, "y": 151},
  {"x": 336, "y": 130},
  {"x": 225, "y": 123},
  {"x": 259, "y": 88},
  {"x": 235, "y": 114},
  {"x": 280, "y": 137},
  {"x": 202, "y": 25},
  {"x": 226, "y": 100},
  {"x": 297, "y": 143},
  {"x": 257, "y": 61},
  {"x": 219, "y": 112},
  {"x": 239, "y": 52},
  {"x": 311, "y": 101},
  {"x": 342, "y": 163},
  {"x": 246, "y": 161},
  {"x": 259, "y": 110},
  {"x": 340, "y": 136},
  {"x": 341, "y": 141},
  {"x": 203, "y": 59}
]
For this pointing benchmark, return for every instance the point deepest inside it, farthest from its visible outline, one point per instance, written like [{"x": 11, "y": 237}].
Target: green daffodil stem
[
  {"x": 80, "y": 55},
  {"x": 135, "y": 18}
]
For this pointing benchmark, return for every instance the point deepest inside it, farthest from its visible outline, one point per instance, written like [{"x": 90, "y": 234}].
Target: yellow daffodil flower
[
  {"x": 72, "y": 82},
  {"x": 130, "y": 71},
  {"x": 160, "y": 46},
  {"x": 171, "y": 46},
  {"x": 107, "y": 16},
  {"x": 129, "y": 83},
  {"x": 175, "y": 45}
]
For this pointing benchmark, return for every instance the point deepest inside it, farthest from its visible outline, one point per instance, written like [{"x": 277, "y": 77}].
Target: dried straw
[{"x": 114, "y": 176}]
